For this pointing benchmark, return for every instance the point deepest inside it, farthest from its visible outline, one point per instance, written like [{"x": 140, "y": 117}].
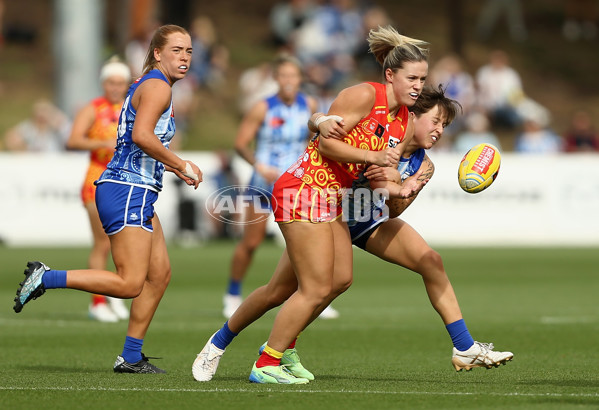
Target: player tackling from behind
[{"x": 388, "y": 237}]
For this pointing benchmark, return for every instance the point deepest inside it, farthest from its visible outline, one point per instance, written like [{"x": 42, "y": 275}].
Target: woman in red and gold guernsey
[
  {"x": 372, "y": 119},
  {"x": 95, "y": 129}
]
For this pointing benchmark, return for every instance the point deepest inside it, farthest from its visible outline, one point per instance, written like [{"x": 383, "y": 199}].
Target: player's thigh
[
  {"x": 343, "y": 271},
  {"x": 160, "y": 266},
  {"x": 311, "y": 250},
  {"x": 131, "y": 250},
  {"x": 397, "y": 242},
  {"x": 98, "y": 233}
]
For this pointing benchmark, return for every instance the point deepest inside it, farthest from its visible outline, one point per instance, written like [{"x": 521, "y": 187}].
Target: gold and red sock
[
  {"x": 269, "y": 357},
  {"x": 292, "y": 345},
  {"x": 98, "y": 299}
]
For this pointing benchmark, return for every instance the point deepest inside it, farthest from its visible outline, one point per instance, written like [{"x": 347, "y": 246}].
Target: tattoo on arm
[
  {"x": 398, "y": 205},
  {"x": 428, "y": 169}
]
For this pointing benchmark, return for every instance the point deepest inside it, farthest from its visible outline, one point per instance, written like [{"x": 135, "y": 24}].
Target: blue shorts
[
  {"x": 361, "y": 231},
  {"x": 121, "y": 205}
]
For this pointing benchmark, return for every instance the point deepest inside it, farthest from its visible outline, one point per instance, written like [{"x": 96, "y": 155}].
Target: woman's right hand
[
  {"x": 386, "y": 158},
  {"x": 191, "y": 174}
]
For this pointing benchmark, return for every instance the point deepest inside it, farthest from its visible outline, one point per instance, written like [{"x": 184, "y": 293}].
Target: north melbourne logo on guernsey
[{"x": 228, "y": 204}]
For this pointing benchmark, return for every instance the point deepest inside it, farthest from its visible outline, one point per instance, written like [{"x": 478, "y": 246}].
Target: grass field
[{"x": 388, "y": 349}]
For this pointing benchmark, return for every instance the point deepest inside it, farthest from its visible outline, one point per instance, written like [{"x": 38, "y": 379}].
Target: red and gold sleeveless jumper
[
  {"x": 104, "y": 128},
  {"x": 312, "y": 189}
]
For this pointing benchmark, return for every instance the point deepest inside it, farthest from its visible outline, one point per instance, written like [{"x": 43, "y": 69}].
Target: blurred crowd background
[{"x": 525, "y": 72}]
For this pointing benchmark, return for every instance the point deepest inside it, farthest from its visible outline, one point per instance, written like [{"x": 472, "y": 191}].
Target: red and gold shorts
[
  {"x": 295, "y": 200},
  {"x": 88, "y": 191}
]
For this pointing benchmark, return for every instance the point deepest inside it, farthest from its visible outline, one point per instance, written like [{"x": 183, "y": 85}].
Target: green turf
[{"x": 388, "y": 349}]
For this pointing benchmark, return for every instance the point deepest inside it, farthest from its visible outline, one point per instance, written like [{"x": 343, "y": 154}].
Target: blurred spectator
[
  {"x": 373, "y": 17},
  {"x": 458, "y": 85},
  {"x": 580, "y": 20},
  {"x": 492, "y": 11},
  {"x": 184, "y": 105},
  {"x": 286, "y": 17},
  {"x": 210, "y": 58},
  {"x": 332, "y": 37},
  {"x": 581, "y": 136},
  {"x": 255, "y": 84},
  {"x": 203, "y": 38},
  {"x": 46, "y": 131},
  {"x": 500, "y": 90},
  {"x": 537, "y": 138},
  {"x": 320, "y": 87},
  {"x": 207, "y": 71},
  {"x": 477, "y": 132},
  {"x": 219, "y": 64},
  {"x": 137, "y": 47}
]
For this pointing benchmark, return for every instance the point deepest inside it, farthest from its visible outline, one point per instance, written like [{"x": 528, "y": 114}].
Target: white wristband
[
  {"x": 189, "y": 172},
  {"x": 324, "y": 118}
]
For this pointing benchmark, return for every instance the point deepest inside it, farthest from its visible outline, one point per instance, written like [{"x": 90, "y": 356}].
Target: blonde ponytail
[{"x": 392, "y": 49}]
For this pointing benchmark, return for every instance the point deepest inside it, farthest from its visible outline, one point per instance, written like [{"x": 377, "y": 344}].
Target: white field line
[{"x": 225, "y": 390}]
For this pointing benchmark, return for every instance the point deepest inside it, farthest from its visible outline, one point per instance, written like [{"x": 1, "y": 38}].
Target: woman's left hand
[{"x": 412, "y": 185}]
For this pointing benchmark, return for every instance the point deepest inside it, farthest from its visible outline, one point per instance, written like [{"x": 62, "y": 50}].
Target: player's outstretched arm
[{"x": 398, "y": 205}]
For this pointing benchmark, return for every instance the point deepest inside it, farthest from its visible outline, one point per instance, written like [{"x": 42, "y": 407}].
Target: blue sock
[
  {"x": 234, "y": 287},
  {"x": 223, "y": 337},
  {"x": 55, "y": 279},
  {"x": 132, "y": 349},
  {"x": 460, "y": 336}
]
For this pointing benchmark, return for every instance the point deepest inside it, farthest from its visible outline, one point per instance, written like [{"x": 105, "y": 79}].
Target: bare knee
[
  {"x": 131, "y": 290},
  {"x": 340, "y": 287},
  {"x": 161, "y": 281},
  {"x": 431, "y": 264},
  {"x": 317, "y": 297},
  {"x": 249, "y": 245},
  {"x": 133, "y": 286}
]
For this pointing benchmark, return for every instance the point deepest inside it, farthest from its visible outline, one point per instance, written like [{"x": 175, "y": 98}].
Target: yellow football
[{"x": 479, "y": 168}]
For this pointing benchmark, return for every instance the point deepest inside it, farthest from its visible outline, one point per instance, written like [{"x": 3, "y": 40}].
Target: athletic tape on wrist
[
  {"x": 324, "y": 118},
  {"x": 189, "y": 172}
]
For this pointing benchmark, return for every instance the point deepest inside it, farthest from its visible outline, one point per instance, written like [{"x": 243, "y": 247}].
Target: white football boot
[
  {"x": 230, "y": 304},
  {"x": 205, "y": 365},
  {"x": 102, "y": 313},
  {"x": 479, "y": 355},
  {"x": 119, "y": 307},
  {"x": 329, "y": 313}
]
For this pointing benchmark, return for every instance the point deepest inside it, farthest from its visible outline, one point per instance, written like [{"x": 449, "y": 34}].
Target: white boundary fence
[{"x": 535, "y": 201}]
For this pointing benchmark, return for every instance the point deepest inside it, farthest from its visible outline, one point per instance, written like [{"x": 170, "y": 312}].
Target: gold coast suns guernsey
[
  {"x": 312, "y": 189},
  {"x": 104, "y": 128}
]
